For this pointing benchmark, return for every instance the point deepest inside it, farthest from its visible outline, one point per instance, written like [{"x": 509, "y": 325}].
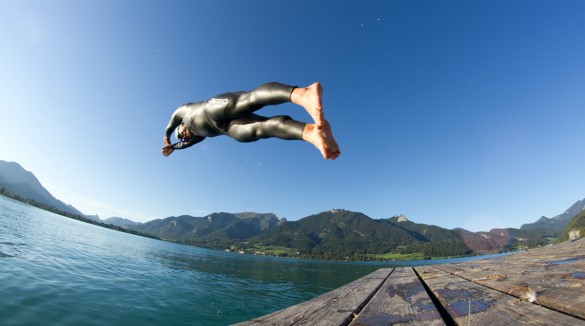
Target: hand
[{"x": 167, "y": 150}]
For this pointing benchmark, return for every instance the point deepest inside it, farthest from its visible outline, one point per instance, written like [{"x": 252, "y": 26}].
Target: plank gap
[
  {"x": 368, "y": 299},
  {"x": 442, "y": 310}
]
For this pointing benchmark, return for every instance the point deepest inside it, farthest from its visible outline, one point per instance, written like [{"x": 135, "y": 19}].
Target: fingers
[{"x": 166, "y": 151}]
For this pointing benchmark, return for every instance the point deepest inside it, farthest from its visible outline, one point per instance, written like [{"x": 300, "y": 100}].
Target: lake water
[{"x": 59, "y": 271}]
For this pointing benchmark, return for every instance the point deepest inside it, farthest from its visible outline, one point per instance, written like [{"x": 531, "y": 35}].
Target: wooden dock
[{"x": 482, "y": 292}]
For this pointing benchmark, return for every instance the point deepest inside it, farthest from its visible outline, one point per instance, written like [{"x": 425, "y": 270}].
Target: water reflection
[{"x": 307, "y": 275}]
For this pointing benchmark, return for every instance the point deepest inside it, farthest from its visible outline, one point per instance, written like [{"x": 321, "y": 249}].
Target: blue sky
[{"x": 455, "y": 113}]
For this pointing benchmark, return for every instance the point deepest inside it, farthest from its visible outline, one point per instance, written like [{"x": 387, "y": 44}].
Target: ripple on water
[
  {"x": 3, "y": 255},
  {"x": 10, "y": 249}
]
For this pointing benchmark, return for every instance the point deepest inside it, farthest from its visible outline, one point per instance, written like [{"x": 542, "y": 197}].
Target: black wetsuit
[{"x": 232, "y": 114}]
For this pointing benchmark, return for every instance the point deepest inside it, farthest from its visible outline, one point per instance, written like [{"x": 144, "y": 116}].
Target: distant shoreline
[
  {"x": 81, "y": 218},
  {"x": 256, "y": 249}
]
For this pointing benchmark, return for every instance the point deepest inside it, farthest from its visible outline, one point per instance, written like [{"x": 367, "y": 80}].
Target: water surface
[{"x": 59, "y": 271}]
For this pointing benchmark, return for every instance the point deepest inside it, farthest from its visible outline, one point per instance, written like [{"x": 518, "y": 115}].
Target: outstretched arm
[
  {"x": 175, "y": 121},
  {"x": 169, "y": 148}
]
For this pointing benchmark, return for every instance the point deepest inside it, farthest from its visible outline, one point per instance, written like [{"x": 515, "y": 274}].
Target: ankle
[
  {"x": 297, "y": 95},
  {"x": 308, "y": 132}
]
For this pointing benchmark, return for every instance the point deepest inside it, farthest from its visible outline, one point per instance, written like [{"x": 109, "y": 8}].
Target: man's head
[{"x": 183, "y": 133}]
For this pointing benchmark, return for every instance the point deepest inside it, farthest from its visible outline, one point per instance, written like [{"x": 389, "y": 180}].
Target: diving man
[{"x": 232, "y": 114}]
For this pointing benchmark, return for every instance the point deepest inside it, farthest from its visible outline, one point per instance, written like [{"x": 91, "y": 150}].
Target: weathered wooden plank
[
  {"x": 474, "y": 304},
  {"x": 402, "y": 299},
  {"x": 333, "y": 308},
  {"x": 556, "y": 274}
]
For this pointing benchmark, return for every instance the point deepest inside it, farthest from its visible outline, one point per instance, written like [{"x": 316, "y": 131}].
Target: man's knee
[
  {"x": 244, "y": 133},
  {"x": 281, "y": 119}
]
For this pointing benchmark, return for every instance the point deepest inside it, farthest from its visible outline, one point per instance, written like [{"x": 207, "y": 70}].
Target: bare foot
[
  {"x": 322, "y": 139},
  {"x": 310, "y": 99}
]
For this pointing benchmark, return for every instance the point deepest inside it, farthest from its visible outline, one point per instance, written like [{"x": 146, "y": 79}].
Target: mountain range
[
  {"x": 340, "y": 233},
  {"x": 119, "y": 221},
  {"x": 557, "y": 223},
  {"x": 211, "y": 227},
  {"x": 332, "y": 234},
  {"x": 18, "y": 181}
]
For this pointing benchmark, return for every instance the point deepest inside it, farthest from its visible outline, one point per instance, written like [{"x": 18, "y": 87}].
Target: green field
[
  {"x": 393, "y": 256},
  {"x": 270, "y": 250}
]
